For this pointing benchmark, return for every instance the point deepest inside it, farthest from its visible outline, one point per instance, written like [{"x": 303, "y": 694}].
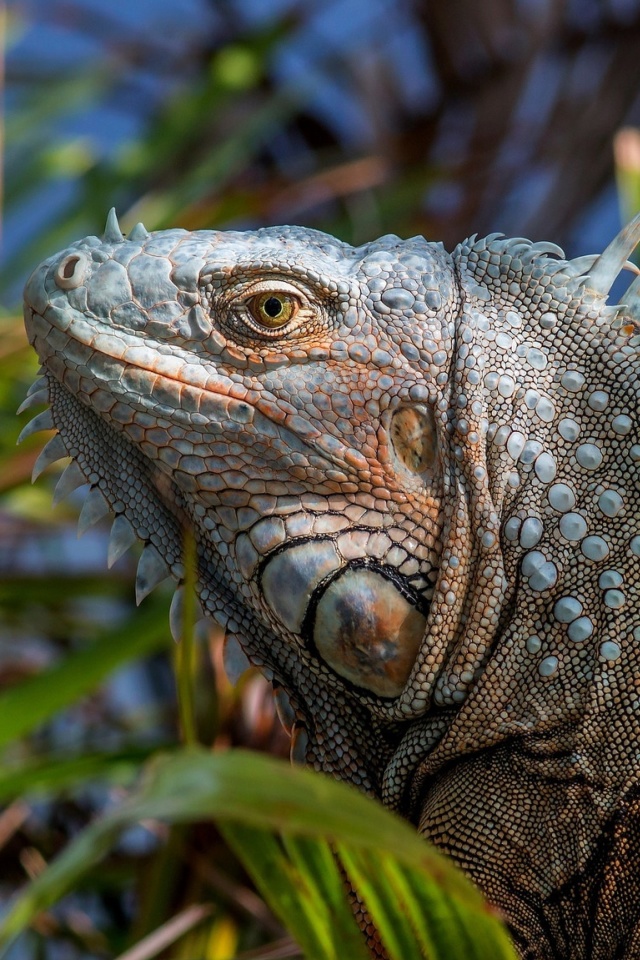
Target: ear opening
[{"x": 414, "y": 440}]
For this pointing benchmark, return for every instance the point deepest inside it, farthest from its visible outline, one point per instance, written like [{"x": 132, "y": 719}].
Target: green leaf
[
  {"x": 290, "y": 884},
  {"x": 284, "y": 823},
  {"x": 185, "y": 662},
  {"x": 52, "y": 775},
  {"x": 26, "y": 706},
  {"x": 368, "y": 874}
]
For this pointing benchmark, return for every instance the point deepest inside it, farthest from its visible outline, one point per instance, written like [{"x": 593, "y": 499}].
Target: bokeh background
[{"x": 358, "y": 117}]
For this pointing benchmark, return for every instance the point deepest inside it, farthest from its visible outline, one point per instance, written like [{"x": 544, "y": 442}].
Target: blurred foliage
[
  {"x": 355, "y": 118},
  {"x": 627, "y": 158},
  {"x": 296, "y": 833}
]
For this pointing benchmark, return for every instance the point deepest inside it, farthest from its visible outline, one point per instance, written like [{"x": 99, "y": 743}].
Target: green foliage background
[{"x": 130, "y": 827}]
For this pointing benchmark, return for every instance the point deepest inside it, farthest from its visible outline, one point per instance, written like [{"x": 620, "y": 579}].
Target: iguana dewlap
[{"x": 413, "y": 481}]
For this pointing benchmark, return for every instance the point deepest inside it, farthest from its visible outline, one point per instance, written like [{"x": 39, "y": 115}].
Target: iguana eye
[{"x": 273, "y": 310}]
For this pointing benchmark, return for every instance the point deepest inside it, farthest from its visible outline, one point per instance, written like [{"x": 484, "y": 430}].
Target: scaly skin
[{"x": 412, "y": 477}]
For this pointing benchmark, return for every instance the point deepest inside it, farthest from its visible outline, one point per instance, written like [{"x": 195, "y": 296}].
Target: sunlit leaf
[{"x": 261, "y": 800}]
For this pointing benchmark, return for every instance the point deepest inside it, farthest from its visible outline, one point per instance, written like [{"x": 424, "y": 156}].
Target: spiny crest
[
  {"x": 113, "y": 233},
  {"x": 152, "y": 569},
  {"x": 526, "y": 273}
]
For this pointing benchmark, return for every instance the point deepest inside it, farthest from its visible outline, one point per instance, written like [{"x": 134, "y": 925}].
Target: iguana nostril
[{"x": 71, "y": 271}]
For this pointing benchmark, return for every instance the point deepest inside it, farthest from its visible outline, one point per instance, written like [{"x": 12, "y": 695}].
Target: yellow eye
[{"x": 273, "y": 310}]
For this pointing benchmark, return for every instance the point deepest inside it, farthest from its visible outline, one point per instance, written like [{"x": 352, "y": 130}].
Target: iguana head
[{"x": 390, "y": 456}]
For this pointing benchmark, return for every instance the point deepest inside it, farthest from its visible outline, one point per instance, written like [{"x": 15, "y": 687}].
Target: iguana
[{"x": 412, "y": 478}]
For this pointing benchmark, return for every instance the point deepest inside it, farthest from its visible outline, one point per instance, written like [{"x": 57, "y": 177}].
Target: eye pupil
[{"x": 272, "y": 307}]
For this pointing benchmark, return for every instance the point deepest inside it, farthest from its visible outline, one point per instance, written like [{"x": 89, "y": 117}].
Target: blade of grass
[
  {"x": 367, "y": 874},
  {"x": 53, "y": 775},
  {"x": 26, "y": 706},
  {"x": 319, "y": 895},
  {"x": 185, "y": 650},
  {"x": 287, "y": 891}
]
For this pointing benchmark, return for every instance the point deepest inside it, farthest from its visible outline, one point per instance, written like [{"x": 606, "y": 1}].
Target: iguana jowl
[{"x": 413, "y": 481}]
